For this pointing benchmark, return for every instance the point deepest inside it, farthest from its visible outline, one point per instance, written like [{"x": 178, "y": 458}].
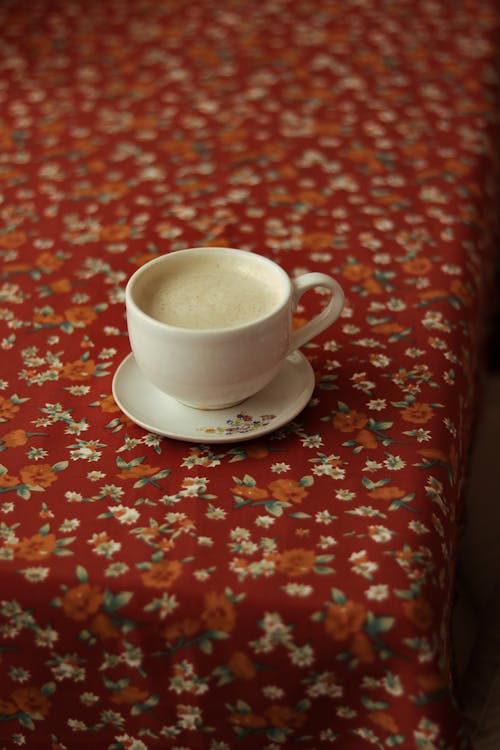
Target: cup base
[{"x": 201, "y": 407}]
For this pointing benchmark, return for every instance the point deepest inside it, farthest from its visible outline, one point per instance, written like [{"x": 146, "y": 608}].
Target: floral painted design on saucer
[{"x": 242, "y": 424}]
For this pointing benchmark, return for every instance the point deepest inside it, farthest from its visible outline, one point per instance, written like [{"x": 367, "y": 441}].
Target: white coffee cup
[{"x": 210, "y": 326}]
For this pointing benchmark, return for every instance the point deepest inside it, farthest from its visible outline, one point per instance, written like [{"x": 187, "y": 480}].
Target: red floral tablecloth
[{"x": 290, "y": 591}]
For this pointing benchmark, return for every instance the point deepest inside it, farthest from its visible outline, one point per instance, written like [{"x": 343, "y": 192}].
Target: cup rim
[{"x": 130, "y": 302}]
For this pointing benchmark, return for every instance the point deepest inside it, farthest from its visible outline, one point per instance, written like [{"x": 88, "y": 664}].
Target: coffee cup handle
[{"x": 326, "y": 317}]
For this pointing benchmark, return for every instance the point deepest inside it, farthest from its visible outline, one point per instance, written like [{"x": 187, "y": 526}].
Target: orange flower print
[
  {"x": 179, "y": 147},
  {"x": 37, "y": 547},
  {"x": 357, "y": 271},
  {"x": 287, "y": 490},
  {"x": 16, "y": 267},
  {"x": 285, "y": 717},
  {"x": 327, "y": 127},
  {"x": 8, "y": 174},
  {"x": 349, "y": 421},
  {"x": 314, "y": 198},
  {"x": 138, "y": 471},
  {"x": 431, "y": 682},
  {"x": 419, "y": 612},
  {"x": 181, "y": 629},
  {"x": 387, "y": 493},
  {"x": 343, "y": 620},
  {"x": 109, "y": 405},
  {"x": 257, "y": 450},
  {"x": 240, "y": 564},
  {"x": 249, "y": 493},
  {"x": 302, "y": 532},
  {"x": 281, "y": 197},
  {"x": 431, "y": 294},
  {"x": 7, "y": 480},
  {"x": 434, "y": 454},
  {"x": 12, "y": 240},
  {"x": 248, "y": 721},
  {"x": 417, "y": 266},
  {"x": 317, "y": 240},
  {"x": 388, "y": 328},
  {"x": 81, "y": 601},
  {"x": 415, "y": 149},
  {"x": 48, "y": 262},
  {"x": 31, "y": 701},
  {"x": 384, "y": 720},
  {"x": 78, "y": 370},
  {"x": 165, "y": 544},
  {"x": 458, "y": 288},
  {"x": 61, "y": 285},
  {"x": 219, "y": 613},
  {"x": 366, "y": 438},
  {"x": 241, "y": 666},
  {"x": 372, "y": 285},
  {"x": 417, "y": 413},
  {"x": 456, "y": 166},
  {"x": 161, "y": 575},
  {"x": 218, "y": 241},
  {"x": 115, "y": 232},
  {"x": 298, "y": 322},
  {"x": 142, "y": 259},
  {"x": 7, "y": 708},
  {"x": 47, "y": 318},
  {"x": 405, "y": 555},
  {"x": 14, "y": 438},
  {"x": 80, "y": 314},
  {"x": 113, "y": 190},
  {"x": 102, "y": 627},
  {"x": 38, "y": 475},
  {"x": 362, "y": 648},
  {"x": 296, "y": 562},
  {"x": 129, "y": 694},
  {"x": 7, "y": 408},
  {"x": 366, "y": 157}
]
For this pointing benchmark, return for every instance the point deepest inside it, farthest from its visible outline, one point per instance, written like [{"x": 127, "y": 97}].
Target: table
[{"x": 292, "y": 590}]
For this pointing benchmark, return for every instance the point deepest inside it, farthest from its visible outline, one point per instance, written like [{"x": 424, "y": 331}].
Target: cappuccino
[{"x": 207, "y": 293}]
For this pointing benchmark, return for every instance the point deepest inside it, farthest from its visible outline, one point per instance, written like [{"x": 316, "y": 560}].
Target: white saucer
[{"x": 271, "y": 408}]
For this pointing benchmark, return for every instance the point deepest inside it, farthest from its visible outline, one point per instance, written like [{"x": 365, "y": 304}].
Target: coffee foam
[{"x": 210, "y": 293}]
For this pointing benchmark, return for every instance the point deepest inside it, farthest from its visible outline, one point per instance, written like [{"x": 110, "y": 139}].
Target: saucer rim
[{"x": 300, "y": 400}]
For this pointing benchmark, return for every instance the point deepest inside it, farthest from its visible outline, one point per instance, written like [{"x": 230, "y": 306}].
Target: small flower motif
[{"x": 242, "y": 424}]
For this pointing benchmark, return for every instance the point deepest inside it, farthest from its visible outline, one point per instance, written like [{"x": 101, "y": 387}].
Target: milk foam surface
[{"x": 210, "y": 294}]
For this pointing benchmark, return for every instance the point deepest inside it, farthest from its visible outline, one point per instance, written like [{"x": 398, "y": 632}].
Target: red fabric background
[{"x": 289, "y": 591}]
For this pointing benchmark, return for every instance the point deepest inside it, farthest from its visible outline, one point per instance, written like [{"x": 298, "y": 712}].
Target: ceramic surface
[{"x": 275, "y": 405}]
